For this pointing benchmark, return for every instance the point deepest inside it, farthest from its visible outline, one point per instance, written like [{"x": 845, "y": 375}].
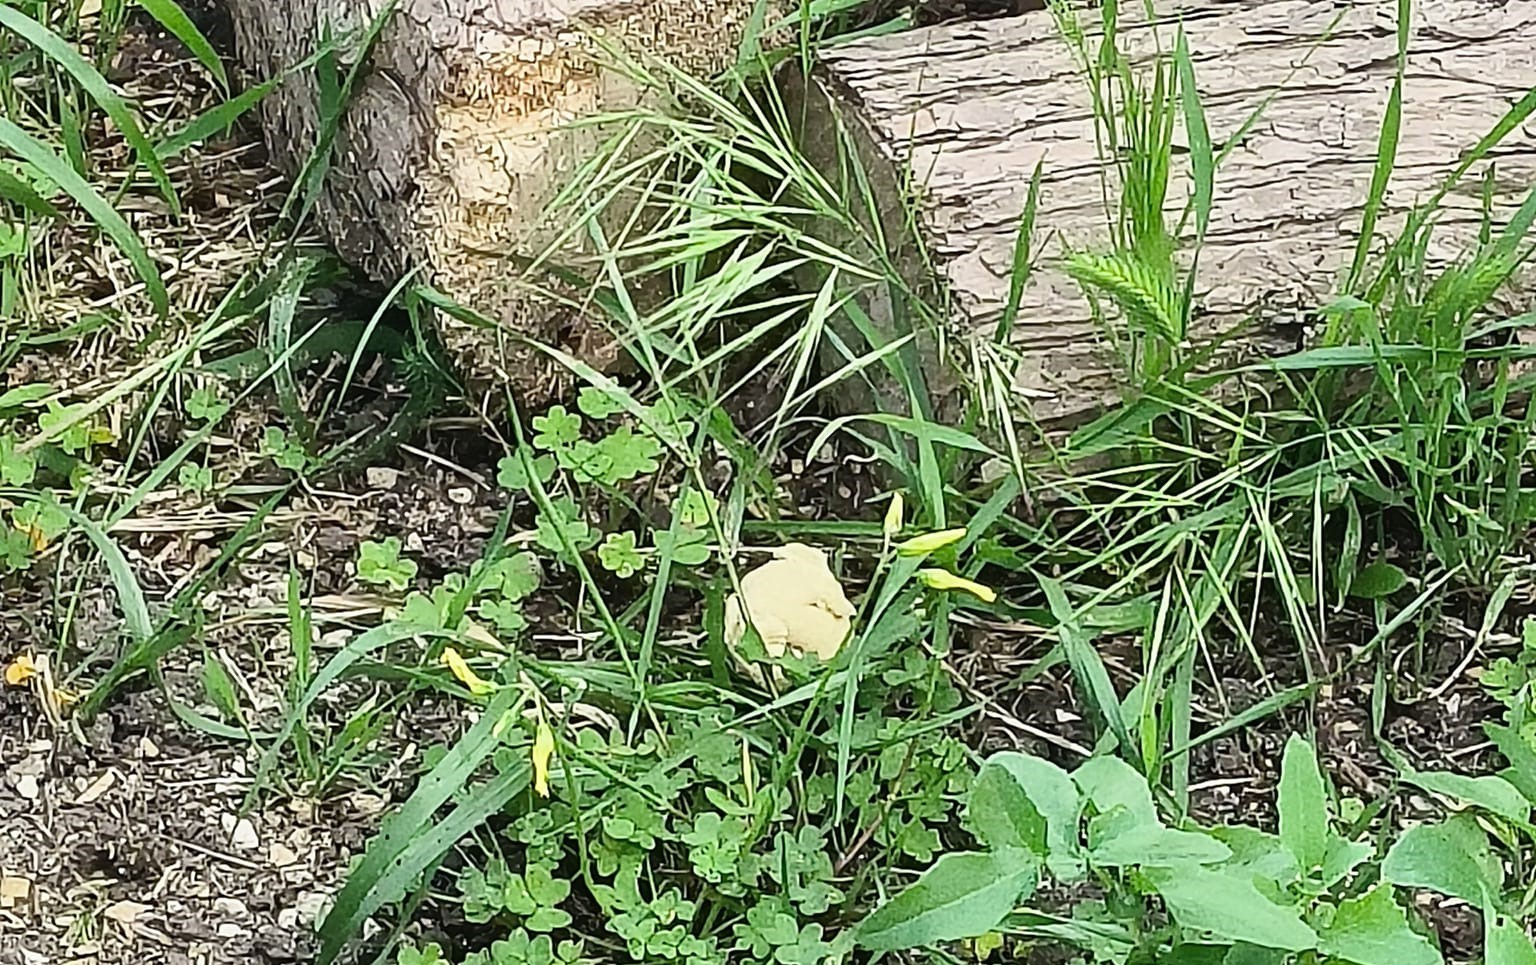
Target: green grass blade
[
  {"x": 16, "y": 190},
  {"x": 1021, "y": 268},
  {"x": 91, "y": 81},
  {"x": 401, "y": 851},
  {"x": 1087, "y": 666},
  {"x": 354, "y": 650},
  {"x": 130, "y": 595},
  {"x": 215, "y": 119},
  {"x": 1386, "y": 150},
  {"x": 174, "y": 19},
  {"x": 1201, "y": 159},
  {"x": 29, "y": 149},
  {"x": 220, "y": 116}
]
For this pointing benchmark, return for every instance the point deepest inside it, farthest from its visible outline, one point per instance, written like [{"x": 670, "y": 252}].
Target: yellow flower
[
  {"x": 20, "y": 670},
  {"x": 543, "y": 750},
  {"x": 929, "y": 542},
  {"x": 937, "y": 579},
  {"x": 455, "y": 662},
  {"x": 893, "y": 515}
]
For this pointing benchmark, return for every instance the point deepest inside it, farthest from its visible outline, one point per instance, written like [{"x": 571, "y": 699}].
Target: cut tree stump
[
  {"x": 458, "y": 136},
  {"x": 970, "y": 108}
]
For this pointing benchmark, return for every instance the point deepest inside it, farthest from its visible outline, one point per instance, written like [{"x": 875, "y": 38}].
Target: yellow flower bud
[
  {"x": 929, "y": 542},
  {"x": 455, "y": 662},
  {"x": 937, "y": 579},
  {"x": 893, "y": 515},
  {"x": 543, "y": 750}
]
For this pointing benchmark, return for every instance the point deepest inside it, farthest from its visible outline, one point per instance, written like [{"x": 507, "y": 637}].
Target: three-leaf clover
[
  {"x": 285, "y": 452},
  {"x": 533, "y": 896},
  {"x": 510, "y": 578},
  {"x": 431, "y": 954},
  {"x": 599, "y": 403},
  {"x": 203, "y": 403},
  {"x": 16, "y": 468},
  {"x": 380, "y": 563},
  {"x": 630, "y": 454},
  {"x": 42, "y": 519},
  {"x": 769, "y": 926},
  {"x": 198, "y": 479},
  {"x": 505, "y": 614},
  {"x": 556, "y": 429},
  {"x": 510, "y": 473},
  {"x": 620, "y": 554},
  {"x": 807, "y": 949},
  {"x": 13, "y": 240},
  {"x": 565, "y": 522},
  {"x": 15, "y": 549},
  {"x": 78, "y": 432}
]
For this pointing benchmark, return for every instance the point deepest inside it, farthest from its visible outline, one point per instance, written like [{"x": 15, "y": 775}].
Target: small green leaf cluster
[
  {"x": 693, "y": 845},
  {"x": 1512, "y": 682},
  {"x": 581, "y": 458},
  {"x": 285, "y": 451},
  {"x": 32, "y": 516},
  {"x": 380, "y": 563},
  {"x": 494, "y": 589}
]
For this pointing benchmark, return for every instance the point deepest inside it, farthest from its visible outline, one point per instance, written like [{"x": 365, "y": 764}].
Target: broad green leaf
[
  {"x": 24, "y": 394},
  {"x": 1505, "y": 941},
  {"x": 1245, "y": 954},
  {"x": 1488, "y": 791},
  {"x": 1303, "y": 804},
  {"x": 1522, "y": 759},
  {"x": 18, "y": 190},
  {"x": 409, "y": 840},
  {"x": 1230, "y": 907},
  {"x": 1002, "y": 813},
  {"x": 1343, "y": 857},
  {"x": 1378, "y": 580},
  {"x": 1373, "y": 930},
  {"x": 1087, "y": 665},
  {"x": 1195, "y": 954},
  {"x": 1452, "y": 858},
  {"x": 1049, "y": 791},
  {"x": 1150, "y": 845},
  {"x": 1258, "y": 854},
  {"x": 1110, "y": 782},
  {"x": 964, "y": 894}
]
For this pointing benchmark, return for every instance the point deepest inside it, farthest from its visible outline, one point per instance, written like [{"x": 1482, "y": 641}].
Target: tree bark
[
  {"x": 458, "y": 137},
  {"x": 969, "y": 109}
]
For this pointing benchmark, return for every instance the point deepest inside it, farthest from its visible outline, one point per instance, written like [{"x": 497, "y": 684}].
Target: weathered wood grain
[
  {"x": 968, "y": 110},
  {"x": 460, "y": 134}
]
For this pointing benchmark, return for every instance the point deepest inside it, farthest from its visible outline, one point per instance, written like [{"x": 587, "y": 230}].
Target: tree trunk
[
  {"x": 967, "y": 110},
  {"x": 449, "y": 151}
]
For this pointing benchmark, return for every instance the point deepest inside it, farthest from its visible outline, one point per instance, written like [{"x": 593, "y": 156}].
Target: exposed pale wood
[
  {"x": 970, "y": 108},
  {"x": 459, "y": 136}
]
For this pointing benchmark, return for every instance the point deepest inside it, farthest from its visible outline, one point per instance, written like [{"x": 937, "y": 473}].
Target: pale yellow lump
[{"x": 795, "y": 602}]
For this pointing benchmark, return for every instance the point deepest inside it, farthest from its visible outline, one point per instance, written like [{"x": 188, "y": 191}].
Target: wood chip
[
  {"x": 97, "y": 787},
  {"x": 125, "y": 912},
  {"x": 26, "y": 786},
  {"x": 14, "y": 890}
]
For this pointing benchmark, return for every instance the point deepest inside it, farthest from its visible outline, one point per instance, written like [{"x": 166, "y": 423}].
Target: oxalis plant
[{"x": 1220, "y": 895}]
